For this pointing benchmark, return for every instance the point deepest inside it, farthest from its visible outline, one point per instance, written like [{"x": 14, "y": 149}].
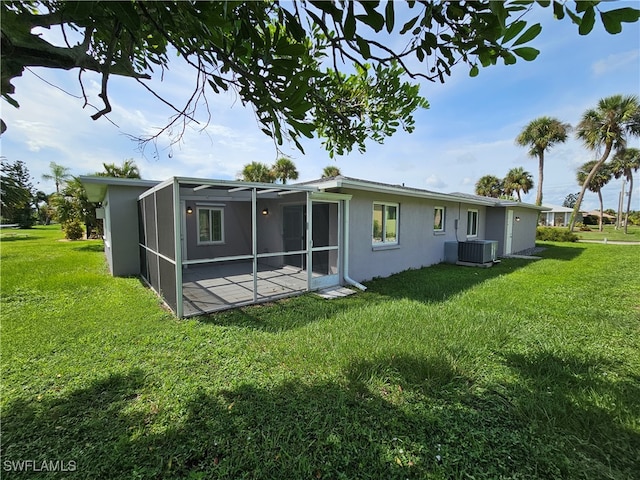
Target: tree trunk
[
  {"x": 576, "y": 208},
  {"x": 626, "y": 215},
  {"x": 601, "y": 212},
  {"x": 540, "y": 177}
]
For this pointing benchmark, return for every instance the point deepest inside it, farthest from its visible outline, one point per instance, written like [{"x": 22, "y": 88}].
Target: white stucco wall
[
  {"x": 121, "y": 223},
  {"x": 418, "y": 245}
]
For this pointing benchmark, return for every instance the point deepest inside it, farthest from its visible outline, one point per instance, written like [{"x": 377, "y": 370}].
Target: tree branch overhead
[{"x": 275, "y": 55}]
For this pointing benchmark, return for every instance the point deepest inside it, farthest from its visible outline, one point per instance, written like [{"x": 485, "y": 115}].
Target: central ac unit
[{"x": 478, "y": 251}]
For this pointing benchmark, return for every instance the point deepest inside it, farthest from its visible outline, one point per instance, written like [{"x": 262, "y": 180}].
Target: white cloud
[
  {"x": 615, "y": 62},
  {"x": 469, "y": 181},
  {"x": 468, "y": 132},
  {"x": 433, "y": 181}
]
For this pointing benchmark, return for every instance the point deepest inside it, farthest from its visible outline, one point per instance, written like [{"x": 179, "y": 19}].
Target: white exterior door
[{"x": 508, "y": 241}]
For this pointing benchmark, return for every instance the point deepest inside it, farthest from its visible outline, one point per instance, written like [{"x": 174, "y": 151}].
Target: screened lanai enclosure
[{"x": 211, "y": 245}]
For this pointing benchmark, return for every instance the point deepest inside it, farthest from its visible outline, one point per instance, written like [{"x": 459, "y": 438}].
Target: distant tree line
[
  {"x": 23, "y": 206},
  {"x": 604, "y": 130},
  {"x": 282, "y": 170},
  {"x": 516, "y": 181}
]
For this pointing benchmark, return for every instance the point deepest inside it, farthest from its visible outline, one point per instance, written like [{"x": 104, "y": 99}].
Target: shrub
[
  {"x": 72, "y": 230},
  {"x": 582, "y": 227},
  {"x": 552, "y": 234}
]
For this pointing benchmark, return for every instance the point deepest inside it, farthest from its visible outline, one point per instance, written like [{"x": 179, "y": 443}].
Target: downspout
[{"x": 345, "y": 275}]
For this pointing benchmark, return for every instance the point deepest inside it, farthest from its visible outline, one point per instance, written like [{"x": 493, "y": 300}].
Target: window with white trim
[
  {"x": 210, "y": 225},
  {"x": 472, "y": 223},
  {"x": 439, "y": 219},
  {"x": 385, "y": 223}
]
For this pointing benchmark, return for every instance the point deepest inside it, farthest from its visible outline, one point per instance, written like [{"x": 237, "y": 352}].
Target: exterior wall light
[
  {"x": 265, "y": 211},
  {"x": 189, "y": 210},
  {"x": 517, "y": 219}
]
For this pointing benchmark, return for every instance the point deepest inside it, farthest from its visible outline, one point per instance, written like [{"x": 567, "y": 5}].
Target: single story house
[
  {"x": 557, "y": 216},
  {"x": 205, "y": 245},
  {"x": 592, "y": 217}
]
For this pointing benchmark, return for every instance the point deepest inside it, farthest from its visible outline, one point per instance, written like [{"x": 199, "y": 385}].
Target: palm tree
[
  {"x": 129, "y": 169},
  {"x": 540, "y": 135},
  {"x": 330, "y": 171},
  {"x": 285, "y": 169},
  {"x": 598, "y": 181},
  {"x": 257, "y": 172},
  {"x": 59, "y": 174},
  {"x": 606, "y": 126},
  {"x": 624, "y": 164},
  {"x": 517, "y": 180},
  {"x": 489, "y": 186}
]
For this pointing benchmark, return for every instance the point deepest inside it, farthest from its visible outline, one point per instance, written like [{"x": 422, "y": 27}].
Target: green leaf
[
  {"x": 294, "y": 27},
  {"x": 612, "y": 20},
  {"x": 455, "y": 11},
  {"x": 584, "y": 5},
  {"x": 531, "y": 33},
  {"x": 363, "y": 46},
  {"x": 485, "y": 56},
  {"x": 626, "y": 14},
  {"x": 127, "y": 14},
  {"x": 305, "y": 128},
  {"x": 390, "y": 15},
  {"x": 409, "y": 25},
  {"x": 611, "y": 24},
  {"x": 509, "y": 58},
  {"x": 544, "y": 3},
  {"x": 292, "y": 49},
  {"x": 498, "y": 9},
  {"x": 349, "y": 27},
  {"x": 576, "y": 19},
  {"x": 558, "y": 10},
  {"x": 474, "y": 71},
  {"x": 328, "y": 7},
  {"x": 527, "y": 53},
  {"x": 373, "y": 18},
  {"x": 429, "y": 42},
  {"x": 588, "y": 21},
  {"x": 514, "y": 29},
  {"x": 11, "y": 101}
]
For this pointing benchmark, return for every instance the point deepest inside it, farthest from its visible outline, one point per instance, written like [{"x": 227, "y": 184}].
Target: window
[
  {"x": 438, "y": 219},
  {"x": 210, "y": 225},
  {"x": 385, "y": 223},
  {"x": 472, "y": 223}
]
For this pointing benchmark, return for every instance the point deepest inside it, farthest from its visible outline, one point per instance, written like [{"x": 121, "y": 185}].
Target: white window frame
[
  {"x": 384, "y": 206},
  {"x": 473, "y": 220},
  {"x": 210, "y": 210},
  {"x": 443, "y": 219}
]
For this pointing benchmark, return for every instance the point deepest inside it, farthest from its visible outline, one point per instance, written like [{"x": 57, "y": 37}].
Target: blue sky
[{"x": 467, "y": 132}]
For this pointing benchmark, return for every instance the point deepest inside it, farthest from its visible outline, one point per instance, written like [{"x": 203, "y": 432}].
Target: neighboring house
[
  {"x": 593, "y": 217},
  {"x": 557, "y": 216},
  {"x": 205, "y": 245}
]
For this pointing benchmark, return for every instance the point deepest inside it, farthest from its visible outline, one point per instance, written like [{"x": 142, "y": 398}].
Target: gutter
[{"x": 345, "y": 275}]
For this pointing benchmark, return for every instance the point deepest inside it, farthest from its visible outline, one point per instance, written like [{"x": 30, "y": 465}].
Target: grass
[
  {"x": 529, "y": 369},
  {"x": 610, "y": 233}
]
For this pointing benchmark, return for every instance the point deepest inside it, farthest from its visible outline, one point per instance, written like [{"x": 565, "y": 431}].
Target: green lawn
[
  {"x": 610, "y": 233},
  {"x": 529, "y": 369}
]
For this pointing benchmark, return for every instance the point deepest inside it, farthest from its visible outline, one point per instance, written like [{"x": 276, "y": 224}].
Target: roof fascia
[
  {"x": 238, "y": 184},
  {"x": 96, "y": 186},
  {"x": 391, "y": 189},
  {"x": 529, "y": 206}
]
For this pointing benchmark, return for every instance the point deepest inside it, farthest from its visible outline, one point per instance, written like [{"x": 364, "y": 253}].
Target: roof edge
[
  {"x": 358, "y": 184},
  {"x": 96, "y": 186}
]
